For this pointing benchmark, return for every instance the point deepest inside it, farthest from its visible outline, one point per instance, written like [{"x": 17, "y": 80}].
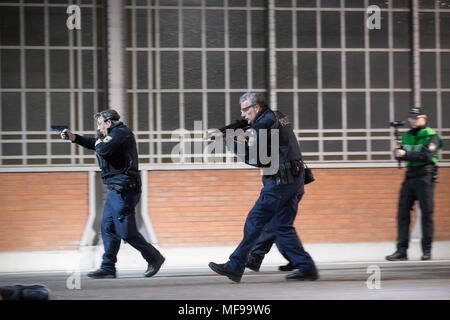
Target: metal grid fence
[{"x": 189, "y": 60}]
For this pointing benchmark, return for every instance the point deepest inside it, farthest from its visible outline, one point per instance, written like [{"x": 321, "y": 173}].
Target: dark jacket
[
  {"x": 117, "y": 157},
  {"x": 289, "y": 148}
]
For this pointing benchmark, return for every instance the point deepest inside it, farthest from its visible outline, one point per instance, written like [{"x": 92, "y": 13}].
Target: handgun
[{"x": 60, "y": 129}]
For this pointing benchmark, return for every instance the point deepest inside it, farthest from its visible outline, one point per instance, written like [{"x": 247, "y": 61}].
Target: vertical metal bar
[
  {"x": 95, "y": 64},
  {"x": 80, "y": 87},
  {"x": 227, "y": 62},
  {"x": 116, "y": 66},
  {"x": 158, "y": 83},
  {"x": 229, "y": 158},
  {"x": 72, "y": 121},
  {"x": 23, "y": 121},
  {"x": 295, "y": 66},
  {"x": 144, "y": 208},
  {"x": 181, "y": 65},
  {"x": 367, "y": 86},
  {"x": 151, "y": 85},
  {"x": 319, "y": 83},
  {"x": 47, "y": 79},
  {"x": 391, "y": 62},
  {"x": 249, "y": 46},
  {"x": 105, "y": 55},
  {"x": 344, "y": 82},
  {"x": 95, "y": 55},
  {"x": 391, "y": 69},
  {"x": 89, "y": 233},
  {"x": 438, "y": 69},
  {"x": 416, "y": 52},
  {"x": 134, "y": 110},
  {"x": 272, "y": 55},
  {"x": 204, "y": 66}
]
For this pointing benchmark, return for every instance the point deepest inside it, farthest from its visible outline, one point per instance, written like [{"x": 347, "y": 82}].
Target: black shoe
[
  {"x": 303, "y": 276},
  {"x": 25, "y": 292},
  {"x": 224, "y": 270},
  {"x": 288, "y": 267},
  {"x": 426, "y": 256},
  {"x": 254, "y": 264},
  {"x": 397, "y": 256},
  {"x": 101, "y": 274},
  {"x": 154, "y": 268}
]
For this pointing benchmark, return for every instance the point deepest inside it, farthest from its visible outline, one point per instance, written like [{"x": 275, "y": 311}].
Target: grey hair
[
  {"x": 106, "y": 115},
  {"x": 254, "y": 98}
]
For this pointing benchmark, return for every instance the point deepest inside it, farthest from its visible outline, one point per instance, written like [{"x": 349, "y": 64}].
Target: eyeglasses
[
  {"x": 248, "y": 108},
  {"x": 412, "y": 117}
]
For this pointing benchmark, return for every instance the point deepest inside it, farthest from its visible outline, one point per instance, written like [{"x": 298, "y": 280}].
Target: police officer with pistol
[
  {"x": 117, "y": 155},
  {"x": 282, "y": 189},
  {"x": 419, "y": 149}
]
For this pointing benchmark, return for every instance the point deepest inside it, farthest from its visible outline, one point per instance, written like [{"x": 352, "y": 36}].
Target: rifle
[
  {"x": 60, "y": 129},
  {"x": 238, "y": 124},
  {"x": 396, "y": 125}
]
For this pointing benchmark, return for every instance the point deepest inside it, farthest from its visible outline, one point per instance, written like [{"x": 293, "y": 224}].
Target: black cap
[{"x": 416, "y": 111}]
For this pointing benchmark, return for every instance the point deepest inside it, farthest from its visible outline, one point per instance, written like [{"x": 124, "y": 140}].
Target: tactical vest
[
  {"x": 289, "y": 147},
  {"x": 415, "y": 143}
]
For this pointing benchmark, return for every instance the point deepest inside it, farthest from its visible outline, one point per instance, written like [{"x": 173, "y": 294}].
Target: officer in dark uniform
[
  {"x": 281, "y": 194},
  {"x": 117, "y": 156},
  {"x": 419, "y": 148}
]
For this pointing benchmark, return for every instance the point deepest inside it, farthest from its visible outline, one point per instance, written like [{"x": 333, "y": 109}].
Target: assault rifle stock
[{"x": 238, "y": 124}]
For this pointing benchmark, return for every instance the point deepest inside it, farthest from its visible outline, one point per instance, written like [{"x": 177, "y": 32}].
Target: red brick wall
[
  {"x": 43, "y": 210},
  {"x": 209, "y": 207},
  {"x": 49, "y": 210}
]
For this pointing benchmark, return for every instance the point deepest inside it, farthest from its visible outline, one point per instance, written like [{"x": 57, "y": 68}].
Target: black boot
[
  {"x": 397, "y": 256},
  {"x": 224, "y": 270},
  {"x": 254, "y": 263},
  {"x": 303, "y": 276},
  {"x": 426, "y": 256},
  {"x": 101, "y": 274},
  {"x": 154, "y": 268},
  {"x": 288, "y": 267}
]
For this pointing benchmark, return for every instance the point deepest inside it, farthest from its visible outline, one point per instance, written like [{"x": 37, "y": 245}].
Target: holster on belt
[
  {"x": 288, "y": 171},
  {"x": 134, "y": 184}
]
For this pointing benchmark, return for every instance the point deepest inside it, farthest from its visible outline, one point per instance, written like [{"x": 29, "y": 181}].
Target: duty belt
[
  {"x": 287, "y": 172},
  {"x": 413, "y": 172}
]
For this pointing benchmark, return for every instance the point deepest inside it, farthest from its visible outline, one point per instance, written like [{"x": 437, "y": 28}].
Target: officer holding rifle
[{"x": 279, "y": 198}]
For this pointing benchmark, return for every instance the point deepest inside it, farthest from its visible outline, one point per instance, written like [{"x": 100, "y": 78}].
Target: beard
[{"x": 99, "y": 135}]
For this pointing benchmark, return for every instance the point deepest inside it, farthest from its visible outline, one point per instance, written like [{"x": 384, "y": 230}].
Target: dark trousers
[
  {"x": 419, "y": 188},
  {"x": 278, "y": 205},
  {"x": 264, "y": 244},
  {"x": 119, "y": 223}
]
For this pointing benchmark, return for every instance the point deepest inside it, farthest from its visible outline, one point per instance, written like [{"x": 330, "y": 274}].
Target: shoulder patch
[
  {"x": 107, "y": 139},
  {"x": 252, "y": 137}
]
